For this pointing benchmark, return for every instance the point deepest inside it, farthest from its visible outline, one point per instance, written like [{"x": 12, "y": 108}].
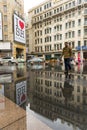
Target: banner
[{"x": 19, "y": 30}]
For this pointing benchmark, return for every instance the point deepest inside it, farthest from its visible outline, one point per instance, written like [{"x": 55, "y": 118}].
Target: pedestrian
[
  {"x": 67, "y": 91},
  {"x": 67, "y": 53}
]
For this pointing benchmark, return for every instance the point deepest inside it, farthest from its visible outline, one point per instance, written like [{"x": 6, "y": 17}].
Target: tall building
[
  {"x": 12, "y": 28},
  {"x": 54, "y": 22}
]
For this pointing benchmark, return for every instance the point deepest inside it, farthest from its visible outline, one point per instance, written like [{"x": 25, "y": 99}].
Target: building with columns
[
  {"x": 12, "y": 41},
  {"x": 54, "y": 22}
]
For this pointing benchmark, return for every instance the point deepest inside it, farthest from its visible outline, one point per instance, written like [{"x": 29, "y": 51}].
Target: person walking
[{"x": 67, "y": 53}]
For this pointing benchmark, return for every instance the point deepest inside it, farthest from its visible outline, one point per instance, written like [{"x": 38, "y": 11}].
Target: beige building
[
  {"x": 53, "y": 22},
  {"x": 13, "y": 26}
]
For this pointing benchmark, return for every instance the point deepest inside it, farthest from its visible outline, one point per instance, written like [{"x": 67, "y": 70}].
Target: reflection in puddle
[{"x": 58, "y": 102}]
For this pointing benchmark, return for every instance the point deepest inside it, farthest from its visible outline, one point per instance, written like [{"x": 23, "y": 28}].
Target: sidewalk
[{"x": 12, "y": 117}]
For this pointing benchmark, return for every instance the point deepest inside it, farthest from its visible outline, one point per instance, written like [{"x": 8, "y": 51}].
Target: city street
[{"x": 43, "y": 99}]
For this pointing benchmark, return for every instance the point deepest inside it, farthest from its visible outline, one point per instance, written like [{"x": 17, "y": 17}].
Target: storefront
[
  {"x": 19, "y": 51},
  {"x": 48, "y": 57}
]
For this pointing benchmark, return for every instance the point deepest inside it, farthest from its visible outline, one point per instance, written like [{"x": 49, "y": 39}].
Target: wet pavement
[{"x": 43, "y": 98}]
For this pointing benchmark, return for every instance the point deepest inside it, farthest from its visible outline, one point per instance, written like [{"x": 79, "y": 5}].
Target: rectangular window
[
  {"x": 5, "y": 18},
  {"x": 79, "y": 1},
  {"x": 34, "y": 11},
  {"x": 66, "y": 35},
  {"x": 79, "y": 22},
  {"x": 60, "y": 45},
  {"x": 85, "y": 21},
  {"x": 79, "y": 12},
  {"x": 66, "y": 26},
  {"x": 85, "y": 43},
  {"x": 73, "y": 34},
  {"x": 73, "y": 3},
  {"x": 69, "y": 24},
  {"x": 73, "y": 23},
  {"x": 85, "y": 31},
  {"x": 60, "y": 8},
  {"x": 5, "y": 28},
  {"x": 73, "y": 44},
  {"x": 79, "y": 32},
  {"x": 55, "y": 11},
  {"x": 5, "y": 8},
  {"x": 69, "y": 34},
  {"x": 69, "y": 5},
  {"x": 66, "y": 6},
  {"x": 79, "y": 43}
]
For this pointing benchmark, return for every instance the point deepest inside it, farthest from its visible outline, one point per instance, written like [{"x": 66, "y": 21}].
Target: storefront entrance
[{"x": 19, "y": 53}]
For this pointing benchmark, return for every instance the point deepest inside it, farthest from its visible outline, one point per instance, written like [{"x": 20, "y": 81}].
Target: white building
[{"x": 55, "y": 21}]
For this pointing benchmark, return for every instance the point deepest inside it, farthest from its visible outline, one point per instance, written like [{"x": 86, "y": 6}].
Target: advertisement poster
[
  {"x": 21, "y": 93},
  {"x": 19, "y": 29},
  {"x": 0, "y": 26}
]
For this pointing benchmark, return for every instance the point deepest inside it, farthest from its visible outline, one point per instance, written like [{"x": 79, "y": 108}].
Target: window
[
  {"x": 79, "y": 12},
  {"x": 60, "y": 45},
  {"x": 85, "y": 43},
  {"x": 66, "y": 6},
  {"x": 5, "y": 8},
  {"x": 34, "y": 11},
  {"x": 69, "y": 24},
  {"x": 79, "y": 43},
  {"x": 60, "y": 36},
  {"x": 5, "y": 18},
  {"x": 73, "y": 44},
  {"x": 60, "y": 8},
  {"x": 73, "y": 34},
  {"x": 55, "y": 11},
  {"x": 79, "y": 32},
  {"x": 44, "y": 6},
  {"x": 66, "y": 35},
  {"x": 73, "y": 3},
  {"x": 85, "y": 31},
  {"x": 79, "y": 1},
  {"x": 73, "y": 14},
  {"x": 79, "y": 22},
  {"x": 69, "y": 5},
  {"x": 40, "y": 8},
  {"x": 5, "y": 28},
  {"x": 85, "y": 21},
  {"x": 69, "y": 34},
  {"x": 66, "y": 26},
  {"x": 73, "y": 23}
]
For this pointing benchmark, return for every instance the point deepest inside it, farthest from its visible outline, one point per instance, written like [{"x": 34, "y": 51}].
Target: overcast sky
[{"x": 28, "y": 4}]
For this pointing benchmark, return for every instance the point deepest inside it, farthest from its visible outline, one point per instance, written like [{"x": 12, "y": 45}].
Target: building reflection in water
[
  {"x": 15, "y": 89},
  {"x": 56, "y": 98}
]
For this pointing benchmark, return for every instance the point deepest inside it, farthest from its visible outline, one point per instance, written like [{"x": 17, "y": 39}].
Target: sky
[{"x": 28, "y": 4}]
